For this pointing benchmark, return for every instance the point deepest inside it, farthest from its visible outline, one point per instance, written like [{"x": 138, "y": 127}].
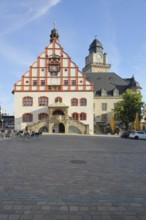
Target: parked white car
[{"x": 138, "y": 135}]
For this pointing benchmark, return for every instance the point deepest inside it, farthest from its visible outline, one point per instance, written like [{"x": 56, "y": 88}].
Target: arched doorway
[
  {"x": 58, "y": 128},
  {"x": 61, "y": 128}
]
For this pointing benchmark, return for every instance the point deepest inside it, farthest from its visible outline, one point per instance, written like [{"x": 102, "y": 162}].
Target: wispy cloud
[
  {"x": 15, "y": 55},
  {"x": 13, "y": 16},
  {"x": 26, "y": 12}
]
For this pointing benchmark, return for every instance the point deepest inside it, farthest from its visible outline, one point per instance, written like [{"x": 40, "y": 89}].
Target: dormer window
[
  {"x": 115, "y": 92},
  {"x": 103, "y": 92},
  {"x": 54, "y": 64}
]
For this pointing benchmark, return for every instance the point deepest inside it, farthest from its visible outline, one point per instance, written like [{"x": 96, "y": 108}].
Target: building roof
[
  {"x": 95, "y": 46},
  {"x": 110, "y": 81}
]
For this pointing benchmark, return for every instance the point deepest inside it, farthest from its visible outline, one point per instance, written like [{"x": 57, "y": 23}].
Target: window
[
  {"x": 104, "y": 117},
  {"x": 42, "y": 82},
  {"x": 116, "y": 92},
  {"x": 54, "y": 64},
  {"x": 27, "y": 117},
  {"x": 54, "y": 88},
  {"x": 75, "y": 116},
  {"x": 66, "y": 82},
  {"x": 74, "y": 102},
  {"x": 83, "y": 116},
  {"x": 34, "y": 82},
  {"x": 27, "y": 101},
  {"x": 103, "y": 92},
  {"x": 58, "y": 99},
  {"x": 43, "y": 101},
  {"x": 104, "y": 106},
  {"x": 42, "y": 116},
  {"x": 73, "y": 82},
  {"x": 83, "y": 102}
]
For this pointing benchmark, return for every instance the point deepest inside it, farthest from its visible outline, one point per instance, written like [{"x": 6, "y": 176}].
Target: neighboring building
[
  {"x": 108, "y": 86},
  {"x": 53, "y": 95},
  {"x": 8, "y": 121},
  {"x": 143, "y": 121}
]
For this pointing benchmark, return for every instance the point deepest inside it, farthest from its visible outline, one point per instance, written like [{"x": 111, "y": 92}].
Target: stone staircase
[{"x": 71, "y": 125}]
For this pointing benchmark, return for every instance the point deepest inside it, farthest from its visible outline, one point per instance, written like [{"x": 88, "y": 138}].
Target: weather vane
[
  {"x": 95, "y": 36},
  {"x": 54, "y": 24}
]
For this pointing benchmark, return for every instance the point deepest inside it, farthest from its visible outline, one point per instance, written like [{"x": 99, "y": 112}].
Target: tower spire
[{"x": 54, "y": 24}]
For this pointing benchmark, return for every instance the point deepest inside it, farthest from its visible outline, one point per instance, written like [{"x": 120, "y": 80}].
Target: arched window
[
  {"x": 83, "y": 116},
  {"x": 83, "y": 102},
  {"x": 43, "y": 101},
  {"x": 74, "y": 102},
  {"x": 75, "y": 115},
  {"x": 27, "y": 117},
  {"x": 27, "y": 101},
  {"x": 42, "y": 116},
  {"x": 58, "y": 99}
]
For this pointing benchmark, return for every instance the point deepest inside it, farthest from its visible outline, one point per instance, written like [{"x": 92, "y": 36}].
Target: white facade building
[{"x": 53, "y": 95}]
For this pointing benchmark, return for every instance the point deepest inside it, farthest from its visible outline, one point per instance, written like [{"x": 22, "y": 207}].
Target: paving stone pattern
[{"x": 58, "y": 177}]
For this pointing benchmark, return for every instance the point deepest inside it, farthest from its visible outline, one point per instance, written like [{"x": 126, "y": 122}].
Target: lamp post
[{"x": 2, "y": 123}]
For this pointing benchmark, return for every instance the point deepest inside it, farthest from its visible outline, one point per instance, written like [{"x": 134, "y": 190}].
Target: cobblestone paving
[{"x": 60, "y": 177}]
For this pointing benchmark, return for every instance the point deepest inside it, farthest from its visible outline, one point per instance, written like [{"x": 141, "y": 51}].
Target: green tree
[{"x": 126, "y": 109}]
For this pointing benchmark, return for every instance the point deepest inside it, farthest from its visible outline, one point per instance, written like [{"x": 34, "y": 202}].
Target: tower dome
[
  {"x": 95, "y": 46},
  {"x": 54, "y": 34}
]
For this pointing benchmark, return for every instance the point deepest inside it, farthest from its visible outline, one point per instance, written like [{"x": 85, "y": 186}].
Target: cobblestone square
[{"x": 66, "y": 177}]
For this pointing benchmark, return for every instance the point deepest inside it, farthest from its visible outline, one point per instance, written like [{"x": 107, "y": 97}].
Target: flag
[
  {"x": 112, "y": 122},
  {"x": 137, "y": 123}
]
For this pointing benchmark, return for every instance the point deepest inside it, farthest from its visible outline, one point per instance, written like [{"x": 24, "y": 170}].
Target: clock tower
[{"x": 96, "y": 61}]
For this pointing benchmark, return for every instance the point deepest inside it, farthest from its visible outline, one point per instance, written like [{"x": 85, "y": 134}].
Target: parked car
[
  {"x": 125, "y": 134},
  {"x": 138, "y": 135}
]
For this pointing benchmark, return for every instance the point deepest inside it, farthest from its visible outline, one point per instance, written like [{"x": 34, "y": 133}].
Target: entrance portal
[
  {"x": 61, "y": 128},
  {"x": 58, "y": 128}
]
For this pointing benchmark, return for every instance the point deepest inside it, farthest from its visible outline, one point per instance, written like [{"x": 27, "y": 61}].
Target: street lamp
[{"x": 2, "y": 123}]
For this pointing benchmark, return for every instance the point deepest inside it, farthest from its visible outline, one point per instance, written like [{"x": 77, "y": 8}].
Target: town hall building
[{"x": 55, "y": 96}]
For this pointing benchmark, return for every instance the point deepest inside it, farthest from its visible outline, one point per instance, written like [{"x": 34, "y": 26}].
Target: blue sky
[{"x": 25, "y": 27}]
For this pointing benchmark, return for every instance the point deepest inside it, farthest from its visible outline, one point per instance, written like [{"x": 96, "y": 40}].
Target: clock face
[{"x": 99, "y": 56}]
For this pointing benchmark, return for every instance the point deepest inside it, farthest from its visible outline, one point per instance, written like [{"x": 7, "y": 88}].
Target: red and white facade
[{"x": 53, "y": 78}]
